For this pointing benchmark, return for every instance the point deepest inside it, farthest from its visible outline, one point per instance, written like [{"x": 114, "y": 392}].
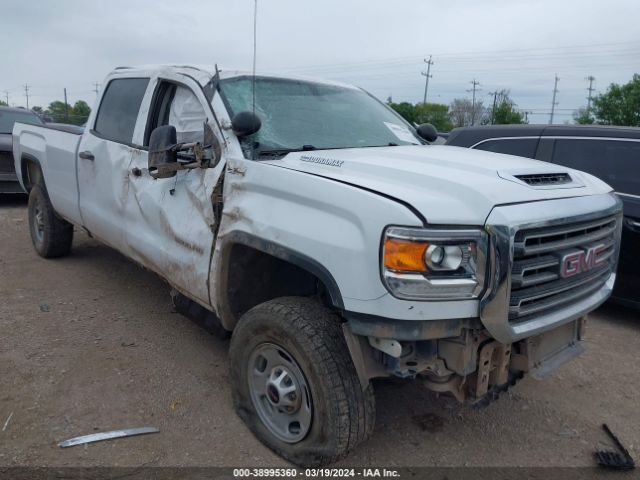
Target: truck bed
[{"x": 56, "y": 151}]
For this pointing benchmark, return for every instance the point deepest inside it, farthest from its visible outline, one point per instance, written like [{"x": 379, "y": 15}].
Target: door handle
[
  {"x": 632, "y": 224},
  {"x": 86, "y": 155}
]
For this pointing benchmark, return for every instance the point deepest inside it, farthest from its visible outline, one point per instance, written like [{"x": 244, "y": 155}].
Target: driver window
[
  {"x": 178, "y": 106},
  {"x": 187, "y": 115}
]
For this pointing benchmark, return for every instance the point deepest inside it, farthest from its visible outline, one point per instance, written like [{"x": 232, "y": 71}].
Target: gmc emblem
[{"x": 581, "y": 261}]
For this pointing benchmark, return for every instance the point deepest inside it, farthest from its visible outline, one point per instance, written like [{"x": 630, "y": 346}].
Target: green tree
[
  {"x": 81, "y": 112},
  {"x": 504, "y": 111},
  {"x": 3, "y": 104},
  {"x": 620, "y": 105},
  {"x": 58, "y": 111},
  {"x": 406, "y": 110},
  {"x": 61, "y": 113},
  {"x": 583, "y": 117},
  {"x": 434, "y": 113}
]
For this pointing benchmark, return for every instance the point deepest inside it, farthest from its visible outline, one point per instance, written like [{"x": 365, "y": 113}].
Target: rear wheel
[
  {"x": 294, "y": 383},
  {"x": 51, "y": 235}
]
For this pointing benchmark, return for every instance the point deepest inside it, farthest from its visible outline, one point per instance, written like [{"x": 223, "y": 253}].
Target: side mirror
[
  {"x": 427, "y": 131},
  {"x": 162, "y": 151},
  {"x": 245, "y": 123}
]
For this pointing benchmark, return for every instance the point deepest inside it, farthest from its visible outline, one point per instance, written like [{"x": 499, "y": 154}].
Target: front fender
[{"x": 334, "y": 227}]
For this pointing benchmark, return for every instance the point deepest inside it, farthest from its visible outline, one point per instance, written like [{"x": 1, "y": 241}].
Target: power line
[
  {"x": 427, "y": 76},
  {"x": 553, "y": 102},
  {"x": 66, "y": 106},
  {"x": 476, "y": 85},
  {"x": 591, "y": 79},
  {"x": 472, "y": 54},
  {"x": 26, "y": 94},
  {"x": 493, "y": 109}
]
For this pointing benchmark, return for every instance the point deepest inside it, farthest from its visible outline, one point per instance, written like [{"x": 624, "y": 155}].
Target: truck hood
[{"x": 447, "y": 185}]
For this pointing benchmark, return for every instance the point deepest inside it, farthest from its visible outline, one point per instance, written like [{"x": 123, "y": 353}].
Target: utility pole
[
  {"x": 6, "y": 95},
  {"x": 96, "y": 85},
  {"x": 493, "y": 110},
  {"x": 473, "y": 103},
  {"x": 66, "y": 106},
  {"x": 526, "y": 116},
  {"x": 427, "y": 76},
  {"x": 553, "y": 102},
  {"x": 26, "y": 94},
  {"x": 591, "y": 79}
]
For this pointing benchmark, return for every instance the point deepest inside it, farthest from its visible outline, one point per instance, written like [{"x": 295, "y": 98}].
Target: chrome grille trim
[
  {"x": 508, "y": 225},
  {"x": 545, "y": 288},
  {"x": 534, "y": 297},
  {"x": 540, "y": 242}
]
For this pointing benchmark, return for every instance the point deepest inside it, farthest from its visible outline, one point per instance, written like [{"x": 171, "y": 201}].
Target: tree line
[
  {"x": 619, "y": 105},
  {"x": 462, "y": 112},
  {"x": 59, "y": 112}
]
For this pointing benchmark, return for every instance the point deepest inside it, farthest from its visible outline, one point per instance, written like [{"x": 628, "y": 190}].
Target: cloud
[{"x": 376, "y": 44}]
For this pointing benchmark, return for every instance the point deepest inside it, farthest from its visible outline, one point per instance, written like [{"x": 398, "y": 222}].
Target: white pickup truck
[{"x": 330, "y": 239}]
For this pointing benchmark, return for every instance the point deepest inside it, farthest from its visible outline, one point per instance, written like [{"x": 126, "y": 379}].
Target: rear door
[
  {"x": 104, "y": 155},
  {"x": 170, "y": 222}
]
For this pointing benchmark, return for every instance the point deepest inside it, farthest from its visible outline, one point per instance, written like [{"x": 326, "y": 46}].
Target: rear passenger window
[
  {"x": 616, "y": 162},
  {"x": 523, "y": 147},
  {"x": 119, "y": 109}
]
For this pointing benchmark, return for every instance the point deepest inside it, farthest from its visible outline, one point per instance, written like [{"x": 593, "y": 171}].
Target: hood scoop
[
  {"x": 544, "y": 179},
  {"x": 540, "y": 180}
]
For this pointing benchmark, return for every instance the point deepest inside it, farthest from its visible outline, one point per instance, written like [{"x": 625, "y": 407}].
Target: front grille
[
  {"x": 544, "y": 179},
  {"x": 537, "y": 281},
  {"x": 6, "y": 162}
]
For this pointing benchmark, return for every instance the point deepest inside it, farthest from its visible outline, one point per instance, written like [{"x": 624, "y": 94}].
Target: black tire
[
  {"x": 343, "y": 414},
  {"x": 51, "y": 235}
]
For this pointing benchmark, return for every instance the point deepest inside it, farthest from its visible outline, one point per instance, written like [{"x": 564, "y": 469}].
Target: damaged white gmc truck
[{"x": 330, "y": 239}]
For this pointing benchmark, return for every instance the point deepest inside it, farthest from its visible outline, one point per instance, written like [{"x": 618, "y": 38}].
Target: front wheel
[
  {"x": 294, "y": 383},
  {"x": 51, "y": 235}
]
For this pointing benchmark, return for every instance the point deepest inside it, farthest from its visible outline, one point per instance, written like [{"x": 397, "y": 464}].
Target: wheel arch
[
  {"x": 248, "y": 262},
  {"x": 30, "y": 170}
]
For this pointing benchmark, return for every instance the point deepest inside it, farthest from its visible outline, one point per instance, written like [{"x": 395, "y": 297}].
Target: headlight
[{"x": 421, "y": 264}]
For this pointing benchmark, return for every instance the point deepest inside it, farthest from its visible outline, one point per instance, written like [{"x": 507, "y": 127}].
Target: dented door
[{"x": 170, "y": 221}]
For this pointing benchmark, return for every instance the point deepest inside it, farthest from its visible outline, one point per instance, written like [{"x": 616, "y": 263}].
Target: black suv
[
  {"x": 610, "y": 153},
  {"x": 8, "y": 116}
]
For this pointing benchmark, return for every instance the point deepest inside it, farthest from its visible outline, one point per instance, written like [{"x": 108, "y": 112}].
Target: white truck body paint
[
  {"x": 55, "y": 151},
  {"x": 446, "y": 184},
  {"x": 334, "y": 212}
]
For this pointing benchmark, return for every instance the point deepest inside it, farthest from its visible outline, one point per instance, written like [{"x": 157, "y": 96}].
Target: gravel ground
[{"x": 90, "y": 343}]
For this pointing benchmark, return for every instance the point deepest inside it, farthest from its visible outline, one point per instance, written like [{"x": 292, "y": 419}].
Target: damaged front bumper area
[
  {"x": 549, "y": 264},
  {"x": 470, "y": 364}
]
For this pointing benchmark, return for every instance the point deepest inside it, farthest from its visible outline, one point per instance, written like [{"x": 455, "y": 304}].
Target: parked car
[
  {"x": 331, "y": 243},
  {"x": 8, "y": 116},
  {"x": 610, "y": 153}
]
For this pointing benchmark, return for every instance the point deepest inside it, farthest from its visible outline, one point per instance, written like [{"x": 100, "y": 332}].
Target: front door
[{"x": 170, "y": 222}]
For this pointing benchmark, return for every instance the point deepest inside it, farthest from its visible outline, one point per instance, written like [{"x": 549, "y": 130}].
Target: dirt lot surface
[{"x": 90, "y": 343}]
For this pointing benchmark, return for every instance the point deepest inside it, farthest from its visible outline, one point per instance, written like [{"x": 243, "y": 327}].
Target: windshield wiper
[{"x": 283, "y": 151}]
